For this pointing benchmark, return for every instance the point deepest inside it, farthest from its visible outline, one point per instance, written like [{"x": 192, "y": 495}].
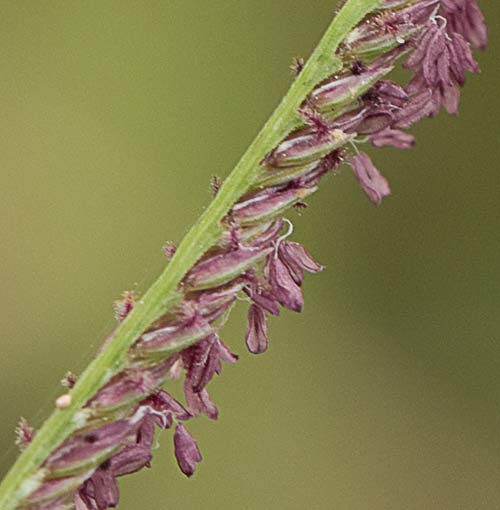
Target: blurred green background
[{"x": 384, "y": 393}]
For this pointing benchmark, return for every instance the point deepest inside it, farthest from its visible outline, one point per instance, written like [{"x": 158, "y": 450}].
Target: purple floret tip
[
  {"x": 256, "y": 335},
  {"x": 186, "y": 450},
  {"x": 370, "y": 179}
]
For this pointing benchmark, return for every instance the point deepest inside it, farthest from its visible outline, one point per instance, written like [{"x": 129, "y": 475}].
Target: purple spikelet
[{"x": 253, "y": 257}]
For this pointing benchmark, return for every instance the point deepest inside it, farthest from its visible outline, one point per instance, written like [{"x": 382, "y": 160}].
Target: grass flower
[{"x": 248, "y": 253}]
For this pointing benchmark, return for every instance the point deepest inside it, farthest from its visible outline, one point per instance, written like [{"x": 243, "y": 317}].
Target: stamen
[
  {"x": 287, "y": 234},
  {"x": 353, "y": 143},
  {"x": 443, "y": 26}
]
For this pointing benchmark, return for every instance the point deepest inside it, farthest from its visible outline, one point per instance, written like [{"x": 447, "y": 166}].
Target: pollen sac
[
  {"x": 343, "y": 90},
  {"x": 285, "y": 290},
  {"x": 256, "y": 335},
  {"x": 306, "y": 146},
  {"x": 394, "y": 138},
  {"x": 297, "y": 259},
  {"x": 223, "y": 267},
  {"x": 187, "y": 452},
  {"x": 87, "y": 450},
  {"x": 268, "y": 204},
  {"x": 465, "y": 18},
  {"x": 171, "y": 338},
  {"x": 371, "y": 181}
]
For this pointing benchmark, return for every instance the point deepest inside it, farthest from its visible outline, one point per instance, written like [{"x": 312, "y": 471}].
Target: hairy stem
[{"x": 164, "y": 292}]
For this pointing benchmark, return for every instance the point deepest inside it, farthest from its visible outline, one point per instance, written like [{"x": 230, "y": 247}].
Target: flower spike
[{"x": 241, "y": 253}]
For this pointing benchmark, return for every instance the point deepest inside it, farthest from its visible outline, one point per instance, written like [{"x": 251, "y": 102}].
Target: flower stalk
[{"x": 105, "y": 428}]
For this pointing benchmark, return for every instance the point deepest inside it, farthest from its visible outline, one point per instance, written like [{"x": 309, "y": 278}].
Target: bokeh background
[{"x": 385, "y": 392}]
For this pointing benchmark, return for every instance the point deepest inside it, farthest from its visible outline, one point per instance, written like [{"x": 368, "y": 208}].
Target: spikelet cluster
[{"x": 255, "y": 256}]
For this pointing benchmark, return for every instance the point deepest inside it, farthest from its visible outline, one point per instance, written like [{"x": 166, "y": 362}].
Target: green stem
[{"x": 163, "y": 293}]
